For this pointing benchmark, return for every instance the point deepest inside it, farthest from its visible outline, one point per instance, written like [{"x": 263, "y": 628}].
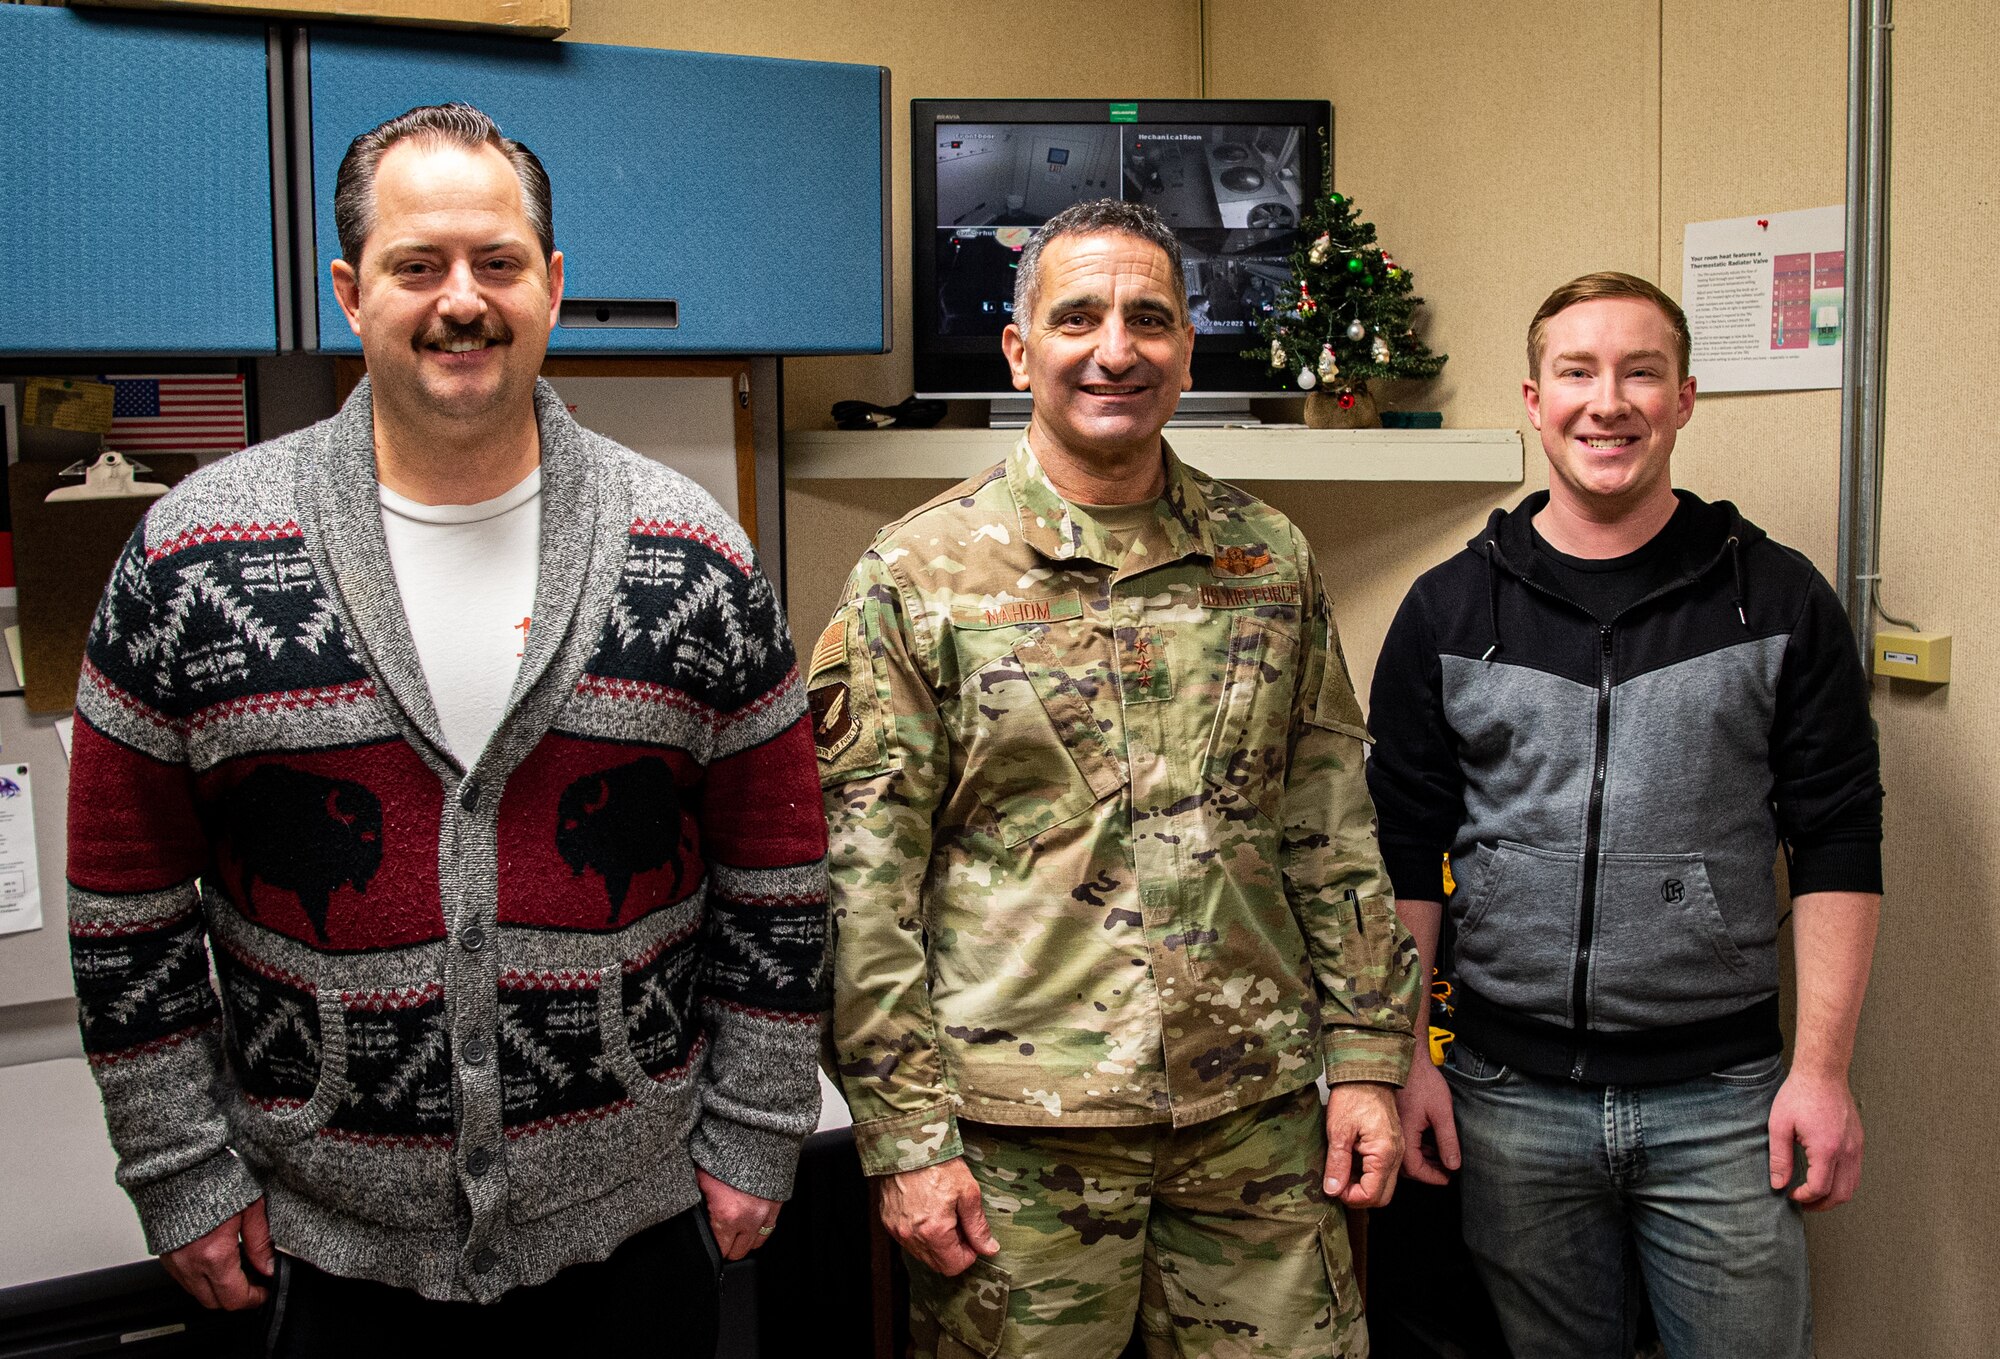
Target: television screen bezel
[{"x": 949, "y": 367}]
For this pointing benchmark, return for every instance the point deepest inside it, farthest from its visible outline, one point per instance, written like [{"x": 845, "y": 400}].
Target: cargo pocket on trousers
[
  {"x": 970, "y": 1308},
  {"x": 1339, "y": 1258}
]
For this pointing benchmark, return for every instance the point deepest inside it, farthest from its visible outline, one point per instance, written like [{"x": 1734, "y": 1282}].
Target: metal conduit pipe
[{"x": 1870, "y": 23}]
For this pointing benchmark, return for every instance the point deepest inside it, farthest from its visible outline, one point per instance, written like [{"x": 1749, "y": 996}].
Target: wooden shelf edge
[{"x": 1391, "y": 455}]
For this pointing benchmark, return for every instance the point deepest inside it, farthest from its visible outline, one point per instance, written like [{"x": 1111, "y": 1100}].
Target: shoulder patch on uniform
[
  {"x": 1051, "y": 609},
  {"x": 833, "y": 725},
  {"x": 1243, "y": 596},
  {"x": 831, "y": 648}
]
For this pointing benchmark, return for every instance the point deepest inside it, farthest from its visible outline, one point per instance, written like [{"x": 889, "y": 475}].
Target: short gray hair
[
  {"x": 449, "y": 124},
  {"x": 1088, "y": 219}
]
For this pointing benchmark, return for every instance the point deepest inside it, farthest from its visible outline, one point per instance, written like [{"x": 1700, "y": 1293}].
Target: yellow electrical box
[{"x": 1903, "y": 653}]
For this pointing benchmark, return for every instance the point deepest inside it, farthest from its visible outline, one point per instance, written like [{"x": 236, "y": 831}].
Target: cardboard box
[{"x": 523, "y": 18}]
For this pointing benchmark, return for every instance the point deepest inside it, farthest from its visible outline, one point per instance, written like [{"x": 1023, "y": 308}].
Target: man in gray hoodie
[{"x": 1611, "y": 710}]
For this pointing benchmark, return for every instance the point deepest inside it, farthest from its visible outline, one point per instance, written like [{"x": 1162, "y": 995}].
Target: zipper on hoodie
[
  {"x": 1592, "y": 841},
  {"x": 1594, "y": 825}
]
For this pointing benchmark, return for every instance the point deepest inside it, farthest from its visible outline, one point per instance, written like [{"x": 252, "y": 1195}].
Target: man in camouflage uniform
[{"x": 1106, "y": 885}]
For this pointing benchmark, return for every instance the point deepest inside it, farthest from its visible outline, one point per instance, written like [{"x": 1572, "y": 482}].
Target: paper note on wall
[
  {"x": 20, "y": 873},
  {"x": 1766, "y": 300}
]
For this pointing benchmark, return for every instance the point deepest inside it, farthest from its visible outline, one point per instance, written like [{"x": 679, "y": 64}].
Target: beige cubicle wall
[{"x": 1910, "y": 1271}]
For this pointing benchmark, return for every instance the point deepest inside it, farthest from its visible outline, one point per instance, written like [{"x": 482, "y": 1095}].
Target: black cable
[{"x": 912, "y": 413}]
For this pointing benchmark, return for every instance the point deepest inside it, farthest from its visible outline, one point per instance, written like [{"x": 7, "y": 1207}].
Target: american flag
[{"x": 180, "y": 413}]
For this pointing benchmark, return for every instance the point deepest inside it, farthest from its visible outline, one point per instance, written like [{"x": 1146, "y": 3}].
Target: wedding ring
[{"x": 763, "y": 1231}]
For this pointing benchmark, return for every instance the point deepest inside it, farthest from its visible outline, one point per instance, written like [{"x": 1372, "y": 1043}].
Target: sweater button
[
  {"x": 479, "y": 1162},
  {"x": 475, "y": 1050},
  {"x": 472, "y": 938},
  {"x": 468, "y": 796},
  {"x": 483, "y": 1262}
]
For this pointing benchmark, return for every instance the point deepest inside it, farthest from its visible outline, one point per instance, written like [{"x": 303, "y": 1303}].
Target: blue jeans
[{"x": 1575, "y": 1193}]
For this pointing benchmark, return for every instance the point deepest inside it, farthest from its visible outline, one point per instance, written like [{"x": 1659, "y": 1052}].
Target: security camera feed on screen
[{"x": 1234, "y": 194}]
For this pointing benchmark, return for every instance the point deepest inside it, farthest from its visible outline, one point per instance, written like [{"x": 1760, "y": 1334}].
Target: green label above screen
[{"x": 1125, "y": 113}]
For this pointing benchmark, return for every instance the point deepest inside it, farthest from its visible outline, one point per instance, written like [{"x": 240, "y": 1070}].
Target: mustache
[{"x": 443, "y": 332}]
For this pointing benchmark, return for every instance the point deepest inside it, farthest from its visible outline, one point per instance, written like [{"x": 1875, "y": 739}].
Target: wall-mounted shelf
[{"x": 1243, "y": 454}]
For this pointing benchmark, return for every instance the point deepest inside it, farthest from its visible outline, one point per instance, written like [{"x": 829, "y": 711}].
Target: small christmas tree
[{"x": 1350, "y": 319}]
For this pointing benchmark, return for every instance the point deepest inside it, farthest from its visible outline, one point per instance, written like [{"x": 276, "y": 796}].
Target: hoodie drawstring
[{"x": 1736, "y": 565}]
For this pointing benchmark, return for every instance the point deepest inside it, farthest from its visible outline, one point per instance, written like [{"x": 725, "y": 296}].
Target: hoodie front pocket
[
  {"x": 1517, "y": 935},
  {"x": 1663, "y": 953}
]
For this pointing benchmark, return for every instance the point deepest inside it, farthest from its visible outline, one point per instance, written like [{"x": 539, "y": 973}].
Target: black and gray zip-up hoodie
[{"x": 1613, "y": 794}]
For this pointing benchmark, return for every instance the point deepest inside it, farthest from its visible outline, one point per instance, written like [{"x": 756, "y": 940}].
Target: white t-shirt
[{"x": 467, "y": 577}]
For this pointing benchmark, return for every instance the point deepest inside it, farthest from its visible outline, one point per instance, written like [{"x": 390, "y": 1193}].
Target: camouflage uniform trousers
[{"x": 1217, "y": 1237}]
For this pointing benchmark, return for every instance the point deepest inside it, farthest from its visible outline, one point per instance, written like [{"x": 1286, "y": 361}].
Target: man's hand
[
  {"x": 210, "y": 1267},
  {"x": 1361, "y": 1121},
  {"x": 936, "y": 1216},
  {"x": 1425, "y": 1105},
  {"x": 1818, "y": 1113},
  {"x": 741, "y": 1222}
]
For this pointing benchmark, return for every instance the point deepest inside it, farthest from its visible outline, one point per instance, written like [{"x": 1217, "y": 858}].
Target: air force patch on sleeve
[
  {"x": 849, "y": 724},
  {"x": 834, "y": 727}
]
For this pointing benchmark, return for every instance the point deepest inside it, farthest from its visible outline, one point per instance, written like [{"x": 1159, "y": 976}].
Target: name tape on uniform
[{"x": 1052, "y": 609}]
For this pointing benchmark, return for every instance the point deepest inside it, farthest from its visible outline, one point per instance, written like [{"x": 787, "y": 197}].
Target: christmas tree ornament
[
  {"x": 1320, "y": 248},
  {"x": 1347, "y": 401},
  {"x": 1354, "y": 264},
  {"x": 1368, "y": 280},
  {"x": 1306, "y": 379},
  {"x": 1380, "y": 350},
  {"x": 1356, "y": 331},
  {"x": 1395, "y": 274},
  {"x": 1329, "y": 366},
  {"x": 1277, "y": 355}
]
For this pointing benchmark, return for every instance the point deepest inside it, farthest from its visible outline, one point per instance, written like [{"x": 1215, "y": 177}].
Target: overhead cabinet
[
  {"x": 135, "y": 185},
  {"x": 704, "y": 204}
]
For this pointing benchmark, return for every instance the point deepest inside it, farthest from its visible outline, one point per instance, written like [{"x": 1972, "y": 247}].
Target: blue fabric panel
[
  {"x": 135, "y": 185},
  {"x": 747, "y": 189}
]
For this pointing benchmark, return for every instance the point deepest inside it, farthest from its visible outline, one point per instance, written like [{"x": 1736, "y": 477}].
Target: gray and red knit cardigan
[{"x": 478, "y": 1024}]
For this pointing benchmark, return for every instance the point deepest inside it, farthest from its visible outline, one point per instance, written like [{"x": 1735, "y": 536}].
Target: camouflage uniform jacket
[{"x": 1101, "y": 847}]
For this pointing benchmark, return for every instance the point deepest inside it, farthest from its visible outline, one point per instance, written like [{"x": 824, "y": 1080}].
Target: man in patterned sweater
[{"x": 469, "y": 747}]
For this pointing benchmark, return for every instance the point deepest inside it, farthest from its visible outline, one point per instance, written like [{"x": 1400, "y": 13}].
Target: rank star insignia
[
  {"x": 1241, "y": 561},
  {"x": 833, "y": 724}
]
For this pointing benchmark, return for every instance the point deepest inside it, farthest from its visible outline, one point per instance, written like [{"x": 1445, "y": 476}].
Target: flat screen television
[{"x": 1232, "y": 177}]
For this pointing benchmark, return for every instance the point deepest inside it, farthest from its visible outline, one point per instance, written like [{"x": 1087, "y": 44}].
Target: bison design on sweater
[
  {"x": 303, "y": 832},
  {"x": 622, "y": 822}
]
